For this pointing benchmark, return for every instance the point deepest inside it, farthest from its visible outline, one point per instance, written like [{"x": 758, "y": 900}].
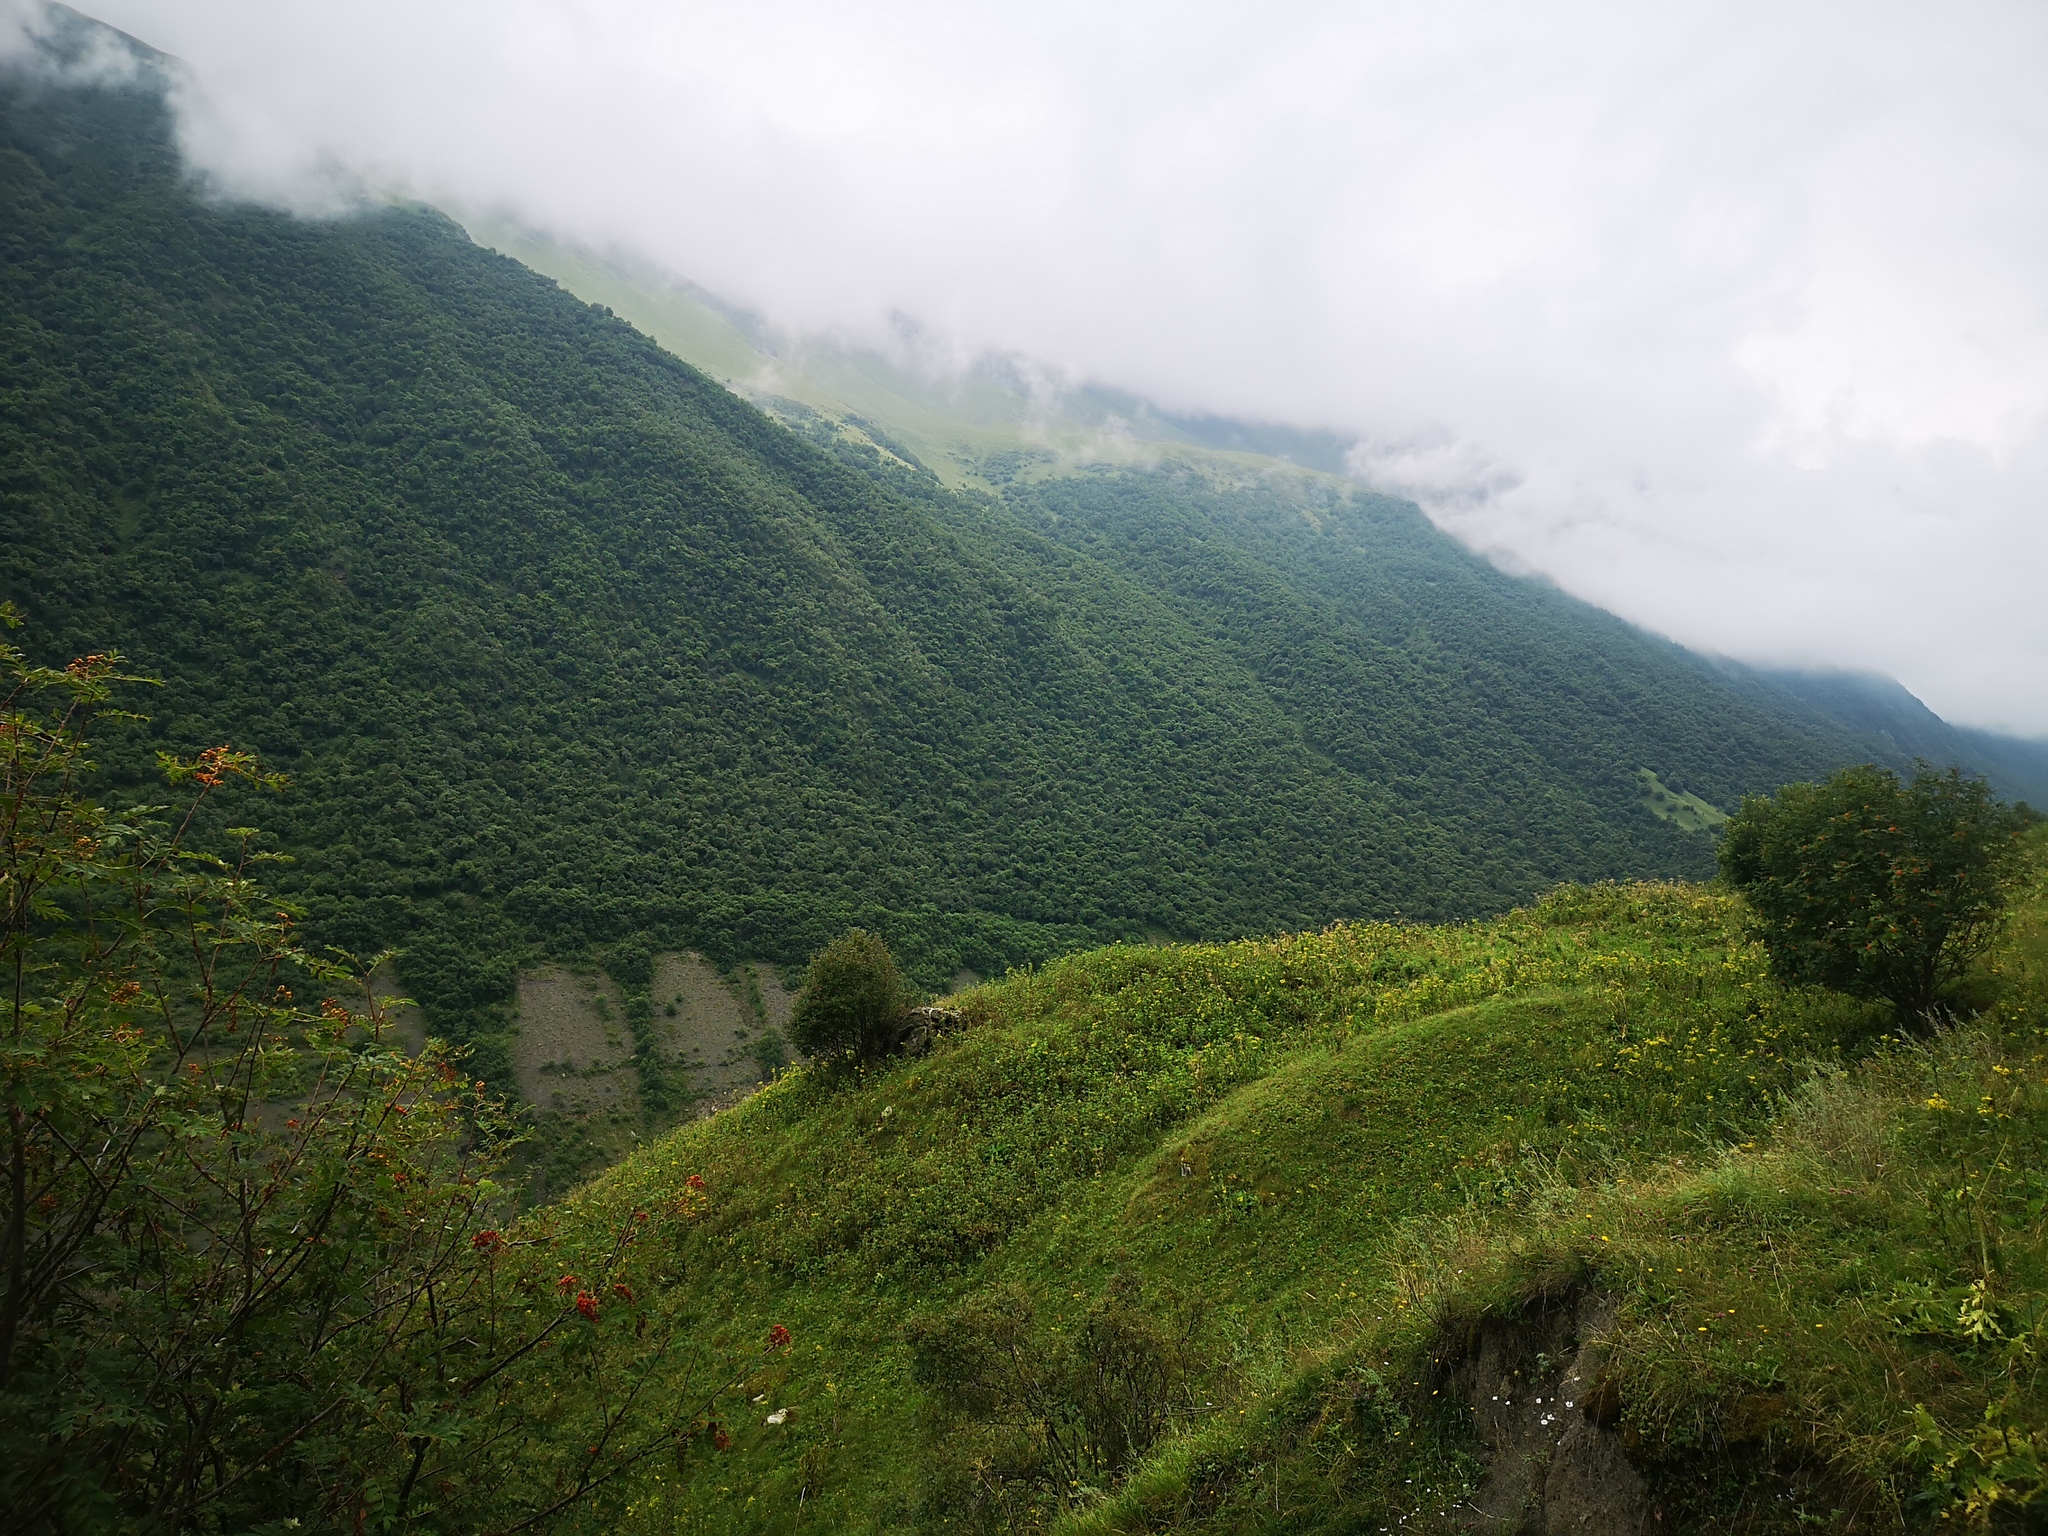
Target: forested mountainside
[
  {"x": 1004, "y": 424},
  {"x": 1895, "y": 721},
  {"x": 976, "y": 426},
  {"x": 570, "y": 651}
]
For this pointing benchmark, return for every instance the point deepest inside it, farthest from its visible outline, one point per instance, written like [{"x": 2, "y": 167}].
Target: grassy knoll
[
  {"x": 1835, "y": 1321},
  {"x": 1270, "y": 1144}
]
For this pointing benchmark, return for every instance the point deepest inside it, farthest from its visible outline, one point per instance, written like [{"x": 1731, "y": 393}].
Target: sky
[{"x": 1731, "y": 318}]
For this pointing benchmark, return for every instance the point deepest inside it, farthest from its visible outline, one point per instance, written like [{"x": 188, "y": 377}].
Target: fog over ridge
[{"x": 1733, "y": 320}]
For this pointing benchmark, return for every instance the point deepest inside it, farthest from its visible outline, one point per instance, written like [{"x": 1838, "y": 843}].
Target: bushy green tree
[
  {"x": 254, "y": 1262},
  {"x": 1873, "y": 887},
  {"x": 853, "y": 999}
]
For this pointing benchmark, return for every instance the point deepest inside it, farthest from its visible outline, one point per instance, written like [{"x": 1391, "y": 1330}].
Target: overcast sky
[{"x": 1730, "y": 317}]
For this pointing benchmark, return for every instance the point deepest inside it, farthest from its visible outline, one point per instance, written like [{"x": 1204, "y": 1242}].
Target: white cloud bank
[{"x": 1731, "y": 318}]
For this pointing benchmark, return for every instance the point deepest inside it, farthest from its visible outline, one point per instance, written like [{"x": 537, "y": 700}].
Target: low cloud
[
  {"x": 1732, "y": 319},
  {"x": 58, "y": 45}
]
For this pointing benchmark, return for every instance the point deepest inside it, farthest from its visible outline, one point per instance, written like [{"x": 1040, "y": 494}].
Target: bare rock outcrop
[
  {"x": 1547, "y": 1412},
  {"x": 922, "y": 1028}
]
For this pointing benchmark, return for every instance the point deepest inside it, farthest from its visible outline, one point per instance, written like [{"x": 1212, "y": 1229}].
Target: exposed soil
[
  {"x": 571, "y": 1048},
  {"x": 727, "y": 1035},
  {"x": 1555, "y": 1464},
  {"x": 406, "y": 1020},
  {"x": 410, "y": 1023}
]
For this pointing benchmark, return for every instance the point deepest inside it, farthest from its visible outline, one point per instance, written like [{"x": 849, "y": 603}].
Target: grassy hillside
[
  {"x": 1319, "y": 1174},
  {"x": 573, "y": 654}
]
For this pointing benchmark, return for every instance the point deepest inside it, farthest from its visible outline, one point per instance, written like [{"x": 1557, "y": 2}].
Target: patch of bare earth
[
  {"x": 405, "y": 1020},
  {"x": 571, "y": 1048},
  {"x": 726, "y": 1034}
]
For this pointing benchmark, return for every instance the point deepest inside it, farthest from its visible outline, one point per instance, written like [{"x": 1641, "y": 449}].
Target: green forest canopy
[{"x": 570, "y": 651}]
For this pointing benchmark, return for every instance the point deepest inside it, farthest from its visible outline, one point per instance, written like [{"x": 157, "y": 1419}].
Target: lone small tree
[
  {"x": 853, "y": 999},
  {"x": 1873, "y": 887}
]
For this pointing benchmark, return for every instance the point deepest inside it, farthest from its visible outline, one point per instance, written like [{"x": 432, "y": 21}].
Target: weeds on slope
[
  {"x": 1069, "y": 1072},
  {"x": 1837, "y": 1320},
  {"x": 1281, "y": 1124}
]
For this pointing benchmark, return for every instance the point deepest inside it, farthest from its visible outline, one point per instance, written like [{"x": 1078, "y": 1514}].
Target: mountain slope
[
  {"x": 1879, "y": 708},
  {"x": 1402, "y": 657},
  {"x": 1004, "y": 424},
  {"x": 571, "y": 652},
  {"x": 978, "y": 426}
]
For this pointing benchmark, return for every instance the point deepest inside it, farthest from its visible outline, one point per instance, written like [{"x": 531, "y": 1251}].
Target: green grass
[
  {"x": 1836, "y": 1321},
  {"x": 1288, "y": 1130},
  {"x": 1688, "y": 811}
]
